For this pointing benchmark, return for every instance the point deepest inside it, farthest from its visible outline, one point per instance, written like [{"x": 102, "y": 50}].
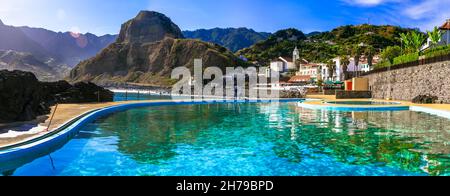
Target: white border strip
[{"x": 436, "y": 112}]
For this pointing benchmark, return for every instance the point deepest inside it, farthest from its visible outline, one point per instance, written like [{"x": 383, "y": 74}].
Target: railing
[{"x": 411, "y": 64}]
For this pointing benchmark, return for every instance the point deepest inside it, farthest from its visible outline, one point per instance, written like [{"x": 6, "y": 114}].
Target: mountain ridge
[
  {"x": 57, "y": 50},
  {"x": 233, "y": 39}
]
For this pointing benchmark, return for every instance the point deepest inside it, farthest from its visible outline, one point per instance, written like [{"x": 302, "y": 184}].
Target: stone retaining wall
[{"x": 407, "y": 83}]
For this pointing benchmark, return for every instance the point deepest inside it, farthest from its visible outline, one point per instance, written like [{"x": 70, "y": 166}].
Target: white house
[
  {"x": 284, "y": 64},
  {"x": 311, "y": 70},
  {"x": 445, "y": 36},
  {"x": 278, "y": 66},
  {"x": 363, "y": 65},
  {"x": 338, "y": 72},
  {"x": 445, "y": 30}
]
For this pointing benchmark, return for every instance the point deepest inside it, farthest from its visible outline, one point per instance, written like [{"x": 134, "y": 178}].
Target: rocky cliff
[
  {"x": 24, "y": 98},
  {"x": 147, "y": 49}
]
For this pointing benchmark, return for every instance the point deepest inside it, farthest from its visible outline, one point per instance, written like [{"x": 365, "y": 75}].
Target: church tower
[{"x": 295, "y": 56}]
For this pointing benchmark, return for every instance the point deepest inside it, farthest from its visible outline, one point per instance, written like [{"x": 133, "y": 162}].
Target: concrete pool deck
[{"x": 67, "y": 112}]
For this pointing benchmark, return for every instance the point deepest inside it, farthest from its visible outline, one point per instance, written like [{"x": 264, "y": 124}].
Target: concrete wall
[
  {"x": 407, "y": 83},
  {"x": 360, "y": 84},
  {"x": 353, "y": 94}
]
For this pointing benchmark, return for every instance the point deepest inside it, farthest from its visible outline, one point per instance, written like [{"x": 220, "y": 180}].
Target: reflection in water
[
  {"x": 256, "y": 139},
  {"x": 410, "y": 140}
]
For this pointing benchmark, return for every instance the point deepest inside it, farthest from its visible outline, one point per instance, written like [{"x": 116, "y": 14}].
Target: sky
[{"x": 106, "y": 16}]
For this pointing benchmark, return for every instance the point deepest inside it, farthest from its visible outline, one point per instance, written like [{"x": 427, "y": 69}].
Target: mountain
[
  {"x": 281, "y": 43},
  {"x": 232, "y": 38},
  {"x": 313, "y": 33},
  {"x": 68, "y": 48},
  {"x": 149, "y": 46},
  {"x": 46, "y": 53},
  {"x": 13, "y": 38},
  {"x": 44, "y": 70},
  {"x": 321, "y": 47}
]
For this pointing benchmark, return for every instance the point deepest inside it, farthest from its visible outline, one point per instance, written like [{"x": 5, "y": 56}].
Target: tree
[
  {"x": 331, "y": 65},
  {"x": 413, "y": 41},
  {"x": 418, "y": 39},
  {"x": 390, "y": 53},
  {"x": 369, "y": 52},
  {"x": 405, "y": 38},
  {"x": 435, "y": 36},
  {"x": 356, "y": 52},
  {"x": 345, "y": 62}
]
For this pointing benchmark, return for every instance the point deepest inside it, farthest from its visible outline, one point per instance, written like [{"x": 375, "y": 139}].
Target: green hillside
[{"x": 323, "y": 46}]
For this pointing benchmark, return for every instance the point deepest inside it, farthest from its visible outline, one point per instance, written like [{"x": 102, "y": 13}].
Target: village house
[
  {"x": 310, "y": 70},
  {"x": 285, "y": 64},
  {"x": 363, "y": 65},
  {"x": 445, "y": 36}
]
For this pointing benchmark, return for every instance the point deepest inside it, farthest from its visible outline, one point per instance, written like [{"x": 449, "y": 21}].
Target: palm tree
[
  {"x": 357, "y": 51},
  {"x": 331, "y": 65},
  {"x": 435, "y": 36},
  {"x": 369, "y": 52},
  {"x": 345, "y": 62}
]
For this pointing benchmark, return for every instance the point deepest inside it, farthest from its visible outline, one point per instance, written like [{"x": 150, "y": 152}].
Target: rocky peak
[{"x": 148, "y": 26}]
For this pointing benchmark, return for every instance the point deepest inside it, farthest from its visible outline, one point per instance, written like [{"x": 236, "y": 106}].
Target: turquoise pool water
[
  {"x": 139, "y": 96},
  {"x": 362, "y": 103},
  {"x": 262, "y": 139}
]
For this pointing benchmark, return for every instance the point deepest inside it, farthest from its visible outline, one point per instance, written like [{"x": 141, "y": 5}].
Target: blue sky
[{"x": 106, "y": 16}]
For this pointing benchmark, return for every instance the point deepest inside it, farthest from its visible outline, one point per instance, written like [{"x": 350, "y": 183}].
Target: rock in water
[
  {"x": 23, "y": 97},
  {"x": 425, "y": 99},
  {"x": 20, "y": 97},
  {"x": 148, "y": 48}
]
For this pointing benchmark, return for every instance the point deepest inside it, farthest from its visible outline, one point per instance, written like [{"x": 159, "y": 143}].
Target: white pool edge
[{"x": 441, "y": 113}]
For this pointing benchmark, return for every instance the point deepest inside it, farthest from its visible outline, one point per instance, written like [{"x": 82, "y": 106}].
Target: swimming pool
[
  {"x": 119, "y": 96},
  {"x": 362, "y": 103},
  {"x": 256, "y": 139}
]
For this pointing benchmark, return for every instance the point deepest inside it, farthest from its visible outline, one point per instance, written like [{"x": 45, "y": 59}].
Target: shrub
[
  {"x": 390, "y": 53},
  {"x": 406, "y": 58},
  {"x": 382, "y": 64},
  {"x": 437, "y": 51}
]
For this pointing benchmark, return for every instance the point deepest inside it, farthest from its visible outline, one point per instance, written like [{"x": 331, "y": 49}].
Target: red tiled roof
[
  {"x": 304, "y": 78},
  {"x": 446, "y": 25}
]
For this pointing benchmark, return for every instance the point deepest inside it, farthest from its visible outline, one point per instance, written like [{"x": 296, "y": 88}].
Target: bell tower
[{"x": 296, "y": 56}]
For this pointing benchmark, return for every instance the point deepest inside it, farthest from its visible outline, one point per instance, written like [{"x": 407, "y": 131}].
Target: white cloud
[
  {"x": 368, "y": 3},
  {"x": 424, "y": 14},
  {"x": 429, "y": 13}
]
